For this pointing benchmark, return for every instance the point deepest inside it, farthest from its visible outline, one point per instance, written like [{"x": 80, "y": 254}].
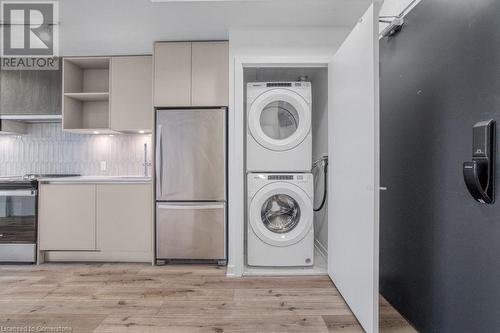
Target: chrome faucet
[{"x": 146, "y": 164}]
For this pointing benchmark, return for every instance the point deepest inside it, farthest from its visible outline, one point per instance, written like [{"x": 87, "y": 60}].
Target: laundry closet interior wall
[{"x": 318, "y": 76}]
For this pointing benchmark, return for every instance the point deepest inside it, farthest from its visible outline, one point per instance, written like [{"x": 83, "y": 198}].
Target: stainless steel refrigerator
[{"x": 191, "y": 185}]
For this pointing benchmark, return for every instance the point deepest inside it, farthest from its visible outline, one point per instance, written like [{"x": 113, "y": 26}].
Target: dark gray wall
[
  {"x": 30, "y": 91},
  {"x": 440, "y": 250}
]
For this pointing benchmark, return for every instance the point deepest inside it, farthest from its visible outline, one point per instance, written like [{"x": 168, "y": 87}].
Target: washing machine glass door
[
  {"x": 281, "y": 214},
  {"x": 279, "y": 119}
]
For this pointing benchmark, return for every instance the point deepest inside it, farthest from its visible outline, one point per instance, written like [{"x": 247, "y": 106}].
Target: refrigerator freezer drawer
[{"x": 191, "y": 231}]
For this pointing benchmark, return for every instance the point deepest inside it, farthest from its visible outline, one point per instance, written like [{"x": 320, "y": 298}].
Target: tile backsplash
[{"x": 47, "y": 149}]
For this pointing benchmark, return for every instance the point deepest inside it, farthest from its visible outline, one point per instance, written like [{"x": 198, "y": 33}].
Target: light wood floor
[{"x": 141, "y": 298}]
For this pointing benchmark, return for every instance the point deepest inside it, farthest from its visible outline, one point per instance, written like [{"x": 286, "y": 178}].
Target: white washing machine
[
  {"x": 280, "y": 228},
  {"x": 279, "y": 135}
]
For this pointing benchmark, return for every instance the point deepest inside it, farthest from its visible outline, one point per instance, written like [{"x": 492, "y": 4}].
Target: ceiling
[{"x": 98, "y": 27}]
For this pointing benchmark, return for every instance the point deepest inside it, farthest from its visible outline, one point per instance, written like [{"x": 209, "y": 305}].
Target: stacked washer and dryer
[{"x": 280, "y": 230}]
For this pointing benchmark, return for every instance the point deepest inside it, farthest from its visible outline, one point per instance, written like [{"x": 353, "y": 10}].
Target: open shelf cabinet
[{"x": 86, "y": 88}]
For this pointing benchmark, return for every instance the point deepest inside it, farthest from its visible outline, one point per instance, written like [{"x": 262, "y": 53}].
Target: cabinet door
[
  {"x": 210, "y": 66},
  {"x": 131, "y": 86},
  {"x": 172, "y": 74},
  {"x": 124, "y": 217},
  {"x": 66, "y": 219}
]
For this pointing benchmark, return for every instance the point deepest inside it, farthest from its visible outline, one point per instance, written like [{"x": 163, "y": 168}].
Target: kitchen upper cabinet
[
  {"x": 107, "y": 94},
  {"x": 191, "y": 74},
  {"x": 67, "y": 217},
  {"x": 172, "y": 74},
  {"x": 131, "y": 87},
  {"x": 86, "y": 94},
  {"x": 210, "y": 74},
  {"x": 36, "y": 92},
  {"x": 124, "y": 217}
]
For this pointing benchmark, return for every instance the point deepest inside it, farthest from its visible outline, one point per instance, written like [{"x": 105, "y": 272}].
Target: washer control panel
[{"x": 280, "y": 177}]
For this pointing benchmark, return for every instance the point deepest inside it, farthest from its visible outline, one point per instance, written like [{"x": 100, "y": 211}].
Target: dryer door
[
  {"x": 281, "y": 214},
  {"x": 279, "y": 119}
]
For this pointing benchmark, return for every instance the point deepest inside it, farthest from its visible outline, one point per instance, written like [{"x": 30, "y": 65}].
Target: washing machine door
[
  {"x": 281, "y": 214},
  {"x": 279, "y": 119}
]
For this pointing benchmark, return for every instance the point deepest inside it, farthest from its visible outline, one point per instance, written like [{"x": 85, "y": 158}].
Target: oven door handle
[{"x": 18, "y": 193}]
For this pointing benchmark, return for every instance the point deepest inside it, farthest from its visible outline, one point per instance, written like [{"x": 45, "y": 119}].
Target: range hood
[
  {"x": 12, "y": 127},
  {"x": 16, "y": 124},
  {"x": 32, "y": 118}
]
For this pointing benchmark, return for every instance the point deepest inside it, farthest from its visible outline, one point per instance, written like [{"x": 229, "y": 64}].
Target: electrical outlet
[{"x": 103, "y": 165}]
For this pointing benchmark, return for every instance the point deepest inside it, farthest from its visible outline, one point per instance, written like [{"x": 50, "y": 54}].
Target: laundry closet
[
  {"x": 286, "y": 158},
  {"x": 340, "y": 81}
]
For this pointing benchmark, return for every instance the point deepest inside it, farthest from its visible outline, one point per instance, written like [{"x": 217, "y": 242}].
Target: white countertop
[{"x": 97, "y": 179}]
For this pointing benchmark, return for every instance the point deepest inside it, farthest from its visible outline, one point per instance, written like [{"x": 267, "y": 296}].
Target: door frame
[{"x": 236, "y": 136}]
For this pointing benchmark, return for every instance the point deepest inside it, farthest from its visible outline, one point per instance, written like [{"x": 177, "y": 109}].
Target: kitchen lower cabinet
[
  {"x": 96, "y": 222},
  {"x": 66, "y": 219},
  {"x": 124, "y": 212}
]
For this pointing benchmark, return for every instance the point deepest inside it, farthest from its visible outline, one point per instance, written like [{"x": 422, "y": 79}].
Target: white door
[{"x": 353, "y": 222}]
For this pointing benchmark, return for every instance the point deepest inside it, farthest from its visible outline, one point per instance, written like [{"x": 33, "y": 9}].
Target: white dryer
[
  {"x": 280, "y": 228},
  {"x": 279, "y": 135}
]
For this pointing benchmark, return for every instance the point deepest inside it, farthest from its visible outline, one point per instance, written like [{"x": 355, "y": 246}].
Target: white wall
[
  {"x": 286, "y": 41},
  {"x": 106, "y": 27},
  {"x": 394, "y": 7},
  {"x": 272, "y": 45},
  {"x": 320, "y": 147}
]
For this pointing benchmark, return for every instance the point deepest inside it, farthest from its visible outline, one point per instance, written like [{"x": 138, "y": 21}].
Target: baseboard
[
  {"x": 231, "y": 271},
  {"x": 97, "y": 256}
]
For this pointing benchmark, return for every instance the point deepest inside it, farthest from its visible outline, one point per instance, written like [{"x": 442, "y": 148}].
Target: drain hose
[{"x": 324, "y": 162}]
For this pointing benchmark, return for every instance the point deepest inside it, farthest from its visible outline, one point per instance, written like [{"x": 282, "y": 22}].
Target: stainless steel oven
[{"x": 18, "y": 220}]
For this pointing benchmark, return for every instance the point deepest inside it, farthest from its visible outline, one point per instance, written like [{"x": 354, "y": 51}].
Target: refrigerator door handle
[
  {"x": 190, "y": 206},
  {"x": 159, "y": 160}
]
